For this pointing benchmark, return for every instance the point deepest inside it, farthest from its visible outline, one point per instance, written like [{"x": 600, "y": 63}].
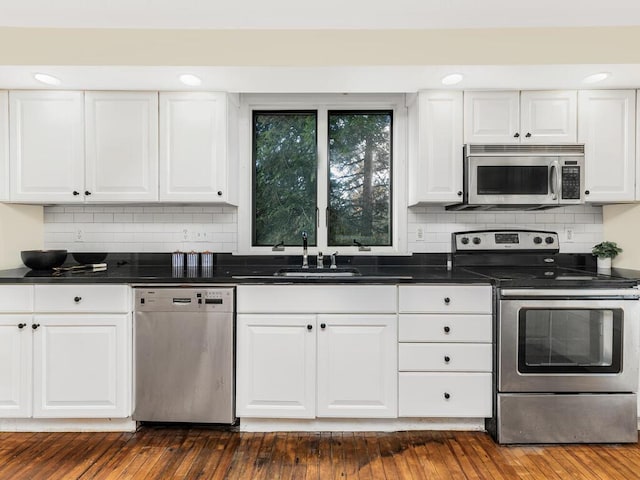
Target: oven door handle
[
  {"x": 593, "y": 293},
  {"x": 554, "y": 185}
]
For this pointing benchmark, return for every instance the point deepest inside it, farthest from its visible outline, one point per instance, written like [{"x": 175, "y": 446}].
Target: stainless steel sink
[{"x": 317, "y": 272}]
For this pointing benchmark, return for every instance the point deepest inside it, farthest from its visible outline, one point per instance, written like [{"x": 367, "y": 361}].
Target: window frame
[{"x": 322, "y": 104}]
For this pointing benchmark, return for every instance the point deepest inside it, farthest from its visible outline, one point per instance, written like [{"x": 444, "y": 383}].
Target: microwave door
[{"x": 513, "y": 180}]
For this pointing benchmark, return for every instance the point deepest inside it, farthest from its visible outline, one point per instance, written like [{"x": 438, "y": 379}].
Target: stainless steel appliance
[
  {"x": 526, "y": 177},
  {"x": 567, "y": 342},
  {"x": 184, "y": 355}
]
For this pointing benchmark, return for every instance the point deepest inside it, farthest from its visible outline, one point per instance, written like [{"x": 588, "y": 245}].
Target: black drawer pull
[
  {"x": 447, "y": 359},
  {"x": 446, "y": 396},
  {"x": 323, "y": 325},
  {"x": 77, "y": 299},
  {"x": 447, "y": 329},
  {"x": 35, "y": 326},
  {"x": 447, "y": 300},
  {"x": 309, "y": 327},
  {"x": 22, "y": 325}
]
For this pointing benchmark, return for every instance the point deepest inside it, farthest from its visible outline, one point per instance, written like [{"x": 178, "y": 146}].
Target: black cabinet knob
[
  {"x": 77, "y": 299},
  {"x": 323, "y": 325},
  {"x": 516, "y": 135},
  {"x": 447, "y": 396},
  {"x": 309, "y": 327},
  {"x": 87, "y": 192},
  {"x": 587, "y": 192},
  {"x": 35, "y": 326},
  {"x": 22, "y": 325},
  {"x": 447, "y": 359},
  {"x": 447, "y": 329},
  {"x": 447, "y": 300},
  {"x": 459, "y": 193},
  {"x": 76, "y": 193},
  {"x": 528, "y": 135},
  {"x": 219, "y": 193}
]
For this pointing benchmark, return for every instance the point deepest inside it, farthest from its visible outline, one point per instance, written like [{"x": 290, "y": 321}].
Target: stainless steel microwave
[{"x": 527, "y": 177}]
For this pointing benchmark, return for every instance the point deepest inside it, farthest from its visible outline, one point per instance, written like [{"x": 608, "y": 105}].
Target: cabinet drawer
[
  {"x": 445, "y": 298},
  {"x": 316, "y": 299},
  {"x": 82, "y": 298},
  {"x": 425, "y": 395},
  {"x": 16, "y": 298},
  {"x": 451, "y": 357},
  {"x": 445, "y": 328}
]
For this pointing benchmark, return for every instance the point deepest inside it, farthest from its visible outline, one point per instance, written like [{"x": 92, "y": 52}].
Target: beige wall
[
  {"x": 622, "y": 225},
  {"x": 522, "y": 46},
  {"x": 21, "y": 228}
]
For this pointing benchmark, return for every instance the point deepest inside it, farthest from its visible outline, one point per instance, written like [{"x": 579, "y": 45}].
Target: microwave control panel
[{"x": 571, "y": 182}]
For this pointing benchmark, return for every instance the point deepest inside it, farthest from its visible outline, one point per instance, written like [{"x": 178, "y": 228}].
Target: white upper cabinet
[
  {"x": 197, "y": 147},
  {"x": 46, "y": 145},
  {"x": 520, "y": 117},
  {"x": 607, "y": 128},
  {"x": 4, "y": 146},
  {"x": 122, "y": 146},
  {"x": 549, "y": 117},
  {"x": 435, "y": 148},
  {"x": 491, "y": 117}
]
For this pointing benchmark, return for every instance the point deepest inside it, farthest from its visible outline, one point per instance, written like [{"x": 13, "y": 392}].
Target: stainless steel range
[{"x": 566, "y": 341}]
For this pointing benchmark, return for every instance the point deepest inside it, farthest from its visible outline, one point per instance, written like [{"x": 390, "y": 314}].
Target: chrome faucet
[
  {"x": 305, "y": 259},
  {"x": 333, "y": 260}
]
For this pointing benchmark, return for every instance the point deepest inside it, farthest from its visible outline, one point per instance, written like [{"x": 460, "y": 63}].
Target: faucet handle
[
  {"x": 320, "y": 262},
  {"x": 333, "y": 260}
]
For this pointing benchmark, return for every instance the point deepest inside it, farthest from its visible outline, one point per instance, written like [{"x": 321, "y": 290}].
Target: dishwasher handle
[{"x": 181, "y": 300}]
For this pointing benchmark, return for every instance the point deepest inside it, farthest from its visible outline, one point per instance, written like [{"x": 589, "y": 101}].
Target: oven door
[
  {"x": 513, "y": 180},
  {"x": 553, "y": 343}
]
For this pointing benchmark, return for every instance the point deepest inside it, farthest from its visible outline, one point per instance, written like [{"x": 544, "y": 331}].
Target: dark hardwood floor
[{"x": 168, "y": 453}]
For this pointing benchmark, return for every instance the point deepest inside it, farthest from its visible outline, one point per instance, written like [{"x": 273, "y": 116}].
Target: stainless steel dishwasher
[{"x": 184, "y": 355}]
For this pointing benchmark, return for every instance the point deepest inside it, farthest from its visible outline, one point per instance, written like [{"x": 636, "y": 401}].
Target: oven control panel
[{"x": 502, "y": 240}]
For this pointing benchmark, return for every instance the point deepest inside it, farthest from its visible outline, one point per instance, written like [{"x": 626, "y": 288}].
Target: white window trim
[{"x": 322, "y": 103}]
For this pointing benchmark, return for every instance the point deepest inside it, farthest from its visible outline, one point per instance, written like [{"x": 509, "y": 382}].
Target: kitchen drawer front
[
  {"x": 316, "y": 299},
  {"x": 445, "y": 328},
  {"x": 447, "y": 357},
  {"x": 16, "y": 298},
  {"x": 445, "y": 298},
  {"x": 82, "y": 298},
  {"x": 424, "y": 395}
]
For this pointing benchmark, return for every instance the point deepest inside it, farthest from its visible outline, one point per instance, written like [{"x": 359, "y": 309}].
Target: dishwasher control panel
[{"x": 191, "y": 299}]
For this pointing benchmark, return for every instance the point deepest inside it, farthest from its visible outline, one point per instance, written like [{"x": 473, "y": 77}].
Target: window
[{"x": 326, "y": 169}]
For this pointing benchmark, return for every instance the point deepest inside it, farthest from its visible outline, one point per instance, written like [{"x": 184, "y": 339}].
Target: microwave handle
[{"x": 554, "y": 180}]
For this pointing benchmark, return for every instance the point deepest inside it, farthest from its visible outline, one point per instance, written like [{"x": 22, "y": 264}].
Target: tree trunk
[{"x": 367, "y": 189}]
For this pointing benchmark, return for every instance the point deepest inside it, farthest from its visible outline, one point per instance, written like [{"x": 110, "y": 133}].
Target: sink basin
[{"x": 317, "y": 272}]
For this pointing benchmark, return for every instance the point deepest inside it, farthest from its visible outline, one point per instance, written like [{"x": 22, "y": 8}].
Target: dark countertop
[{"x": 136, "y": 268}]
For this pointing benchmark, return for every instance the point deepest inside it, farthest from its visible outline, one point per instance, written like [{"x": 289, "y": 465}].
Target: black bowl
[
  {"x": 88, "y": 258},
  {"x": 43, "y": 259}
]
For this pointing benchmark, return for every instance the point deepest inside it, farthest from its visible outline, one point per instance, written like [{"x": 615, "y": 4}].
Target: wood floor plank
[{"x": 201, "y": 453}]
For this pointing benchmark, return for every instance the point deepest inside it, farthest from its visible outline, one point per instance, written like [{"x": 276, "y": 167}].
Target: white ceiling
[{"x": 318, "y": 14}]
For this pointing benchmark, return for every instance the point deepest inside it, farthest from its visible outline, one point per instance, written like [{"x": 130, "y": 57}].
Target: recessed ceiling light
[
  {"x": 596, "y": 77},
  {"x": 189, "y": 79},
  {"x": 452, "y": 79},
  {"x": 48, "y": 79}
]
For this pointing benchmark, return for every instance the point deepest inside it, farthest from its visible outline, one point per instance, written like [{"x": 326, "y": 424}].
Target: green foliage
[{"x": 606, "y": 250}]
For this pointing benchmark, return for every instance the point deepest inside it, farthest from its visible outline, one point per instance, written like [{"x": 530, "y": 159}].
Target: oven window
[
  {"x": 513, "y": 180},
  {"x": 570, "y": 341}
]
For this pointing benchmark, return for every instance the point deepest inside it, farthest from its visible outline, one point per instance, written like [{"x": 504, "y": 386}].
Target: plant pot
[{"x": 604, "y": 265}]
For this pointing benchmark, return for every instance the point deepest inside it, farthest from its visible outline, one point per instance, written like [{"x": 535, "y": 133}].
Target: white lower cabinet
[
  {"x": 80, "y": 366},
  {"x": 276, "y": 366},
  {"x": 316, "y": 363},
  {"x": 64, "y": 365},
  {"x": 15, "y": 365}
]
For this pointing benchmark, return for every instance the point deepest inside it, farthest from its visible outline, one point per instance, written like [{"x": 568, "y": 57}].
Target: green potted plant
[{"x": 605, "y": 251}]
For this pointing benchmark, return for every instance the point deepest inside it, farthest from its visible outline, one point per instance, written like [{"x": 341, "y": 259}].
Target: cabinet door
[
  {"x": 81, "y": 366},
  {"x": 491, "y": 117},
  {"x": 122, "y": 146},
  {"x": 549, "y": 117},
  {"x": 46, "y": 147},
  {"x": 15, "y": 366},
  {"x": 435, "y": 166},
  {"x": 276, "y": 360},
  {"x": 606, "y": 125},
  {"x": 4, "y": 146},
  {"x": 193, "y": 147},
  {"x": 357, "y": 366}
]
